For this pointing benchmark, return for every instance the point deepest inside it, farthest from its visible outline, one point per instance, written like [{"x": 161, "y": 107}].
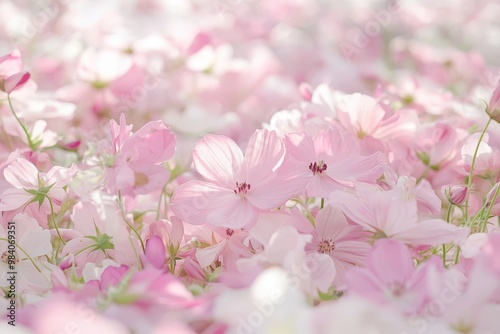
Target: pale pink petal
[
  {"x": 322, "y": 270},
  {"x": 218, "y": 159},
  {"x": 364, "y": 283},
  {"x": 360, "y": 114},
  {"x": 14, "y": 198},
  {"x": 330, "y": 222},
  {"x": 206, "y": 256},
  {"x": 332, "y": 145},
  {"x": 358, "y": 168},
  {"x": 431, "y": 232},
  {"x": 354, "y": 208},
  {"x": 390, "y": 260},
  {"x": 276, "y": 190},
  {"x": 16, "y": 81},
  {"x": 155, "y": 251},
  {"x": 353, "y": 252},
  {"x": 198, "y": 202},
  {"x": 154, "y": 143},
  {"x": 60, "y": 176},
  {"x": 124, "y": 176},
  {"x": 120, "y": 133},
  {"x": 177, "y": 232},
  {"x": 299, "y": 146},
  {"x": 22, "y": 174},
  {"x": 85, "y": 218},
  {"x": 264, "y": 154},
  {"x": 237, "y": 213},
  {"x": 322, "y": 185}
]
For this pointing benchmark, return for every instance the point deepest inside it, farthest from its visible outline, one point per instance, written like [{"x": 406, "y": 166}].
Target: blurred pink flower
[
  {"x": 28, "y": 185},
  {"x": 494, "y": 105},
  {"x": 136, "y": 167},
  {"x": 12, "y": 76},
  {"x": 94, "y": 239},
  {"x": 390, "y": 277}
]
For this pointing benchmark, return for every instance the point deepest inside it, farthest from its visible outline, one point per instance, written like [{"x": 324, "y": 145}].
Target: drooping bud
[
  {"x": 457, "y": 194},
  {"x": 306, "y": 91},
  {"x": 493, "y": 109}
]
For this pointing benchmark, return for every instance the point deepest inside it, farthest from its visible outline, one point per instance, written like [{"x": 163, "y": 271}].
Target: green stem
[
  {"x": 54, "y": 220},
  {"x": 424, "y": 174},
  {"x": 322, "y": 203},
  {"x": 122, "y": 210},
  {"x": 444, "y": 255},
  {"x": 448, "y": 213},
  {"x": 30, "y": 142},
  {"x": 457, "y": 255},
  {"x": 448, "y": 217},
  {"x": 490, "y": 206},
  {"x": 84, "y": 249},
  {"x": 469, "y": 181},
  {"x": 29, "y": 257}
]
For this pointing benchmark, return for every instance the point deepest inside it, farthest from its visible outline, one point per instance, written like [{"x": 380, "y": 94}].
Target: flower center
[
  {"x": 241, "y": 188},
  {"x": 326, "y": 246},
  {"x": 397, "y": 289},
  {"x": 318, "y": 167},
  {"x": 5, "y": 257}
]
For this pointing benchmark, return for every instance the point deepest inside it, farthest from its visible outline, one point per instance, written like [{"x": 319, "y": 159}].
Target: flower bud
[
  {"x": 457, "y": 194},
  {"x": 493, "y": 109},
  {"x": 16, "y": 81},
  {"x": 306, "y": 91},
  {"x": 67, "y": 262}
]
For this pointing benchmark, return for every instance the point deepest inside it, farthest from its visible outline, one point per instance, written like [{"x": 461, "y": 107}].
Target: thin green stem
[
  {"x": 29, "y": 257},
  {"x": 322, "y": 203},
  {"x": 471, "y": 173},
  {"x": 424, "y": 174},
  {"x": 124, "y": 216},
  {"x": 457, "y": 254},
  {"x": 30, "y": 142},
  {"x": 54, "y": 220},
  {"x": 444, "y": 255},
  {"x": 84, "y": 249},
  {"x": 490, "y": 206},
  {"x": 448, "y": 218},
  {"x": 448, "y": 213}
]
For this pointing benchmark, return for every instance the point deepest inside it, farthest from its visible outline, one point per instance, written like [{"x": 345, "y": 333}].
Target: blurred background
[{"x": 226, "y": 66}]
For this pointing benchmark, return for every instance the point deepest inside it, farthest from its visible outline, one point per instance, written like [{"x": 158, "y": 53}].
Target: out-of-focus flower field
[{"x": 250, "y": 166}]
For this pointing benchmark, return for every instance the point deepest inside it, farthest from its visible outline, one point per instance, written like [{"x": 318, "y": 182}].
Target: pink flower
[
  {"x": 32, "y": 243},
  {"x": 237, "y": 188},
  {"x": 12, "y": 77},
  {"x": 171, "y": 234},
  {"x": 439, "y": 144},
  {"x": 494, "y": 105},
  {"x": 388, "y": 214},
  {"x": 155, "y": 252},
  {"x": 362, "y": 115},
  {"x": 136, "y": 168},
  {"x": 229, "y": 247},
  {"x": 390, "y": 276},
  {"x": 31, "y": 186},
  {"x": 95, "y": 239},
  {"x": 487, "y": 158},
  {"x": 59, "y": 313},
  {"x": 342, "y": 242},
  {"x": 329, "y": 161},
  {"x": 457, "y": 194}
]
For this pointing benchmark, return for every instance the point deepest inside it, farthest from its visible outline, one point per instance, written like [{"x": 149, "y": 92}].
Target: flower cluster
[{"x": 289, "y": 166}]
